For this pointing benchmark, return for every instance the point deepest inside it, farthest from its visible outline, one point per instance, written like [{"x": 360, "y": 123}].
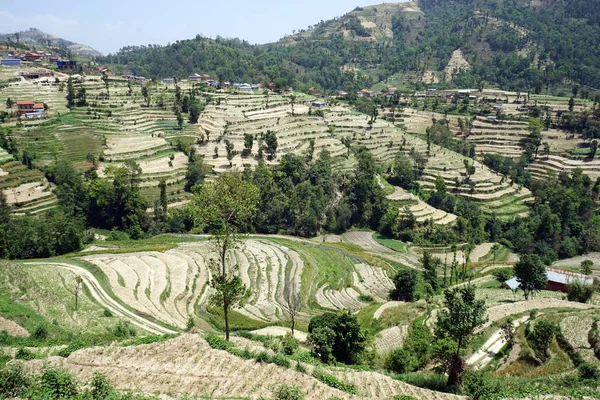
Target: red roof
[
  {"x": 38, "y": 105},
  {"x": 34, "y": 54},
  {"x": 25, "y": 102}
]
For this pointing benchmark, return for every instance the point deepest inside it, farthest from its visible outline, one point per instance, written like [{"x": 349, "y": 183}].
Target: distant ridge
[{"x": 35, "y": 37}]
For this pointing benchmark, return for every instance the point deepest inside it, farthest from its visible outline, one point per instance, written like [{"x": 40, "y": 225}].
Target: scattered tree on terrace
[
  {"x": 292, "y": 302},
  {"x": 146, "y": 94},
  {"x": 593, "y": 148},
  {"x": 405, "y": 285},
  {"x": 70, "y": 93},
  {"x": 78, "y": 281},
  {"x": 531, "y": 274},
  {"x": 461, "y": 316},
  {"x": 9, "y": 103},
  {"x": 586, "y": 267},
  {"x": 225, "y": 208}
]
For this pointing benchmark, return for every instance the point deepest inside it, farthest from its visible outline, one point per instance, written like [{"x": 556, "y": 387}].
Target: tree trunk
[
  {"x": 293, "y": 325},
  {"x": 456, "y": 368},
  {"x": 76, "y": 299},
  {"x": 226, "y": 314}
]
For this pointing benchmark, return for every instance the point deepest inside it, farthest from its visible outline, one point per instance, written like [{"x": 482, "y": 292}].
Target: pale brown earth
[
  {"x": 498, "y": 312},
  {"x": 187, "y": 366},
  {"x": 12, "y": 328},
  {"x": 281, "y": 331},
  {"x": 28, "y": 192},
  {"x": 456, "y": 63},
  {"x": 390, "y": 339}
]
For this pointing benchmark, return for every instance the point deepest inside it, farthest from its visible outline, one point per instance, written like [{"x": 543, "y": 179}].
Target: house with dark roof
[{"x": 558, "y": 280}]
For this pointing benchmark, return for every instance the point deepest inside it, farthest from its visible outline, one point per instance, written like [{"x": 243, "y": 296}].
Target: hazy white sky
[{"x": 108, "y": 25}]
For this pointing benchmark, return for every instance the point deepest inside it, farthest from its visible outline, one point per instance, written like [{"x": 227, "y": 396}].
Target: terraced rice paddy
[{"x": 173, "y": 285}]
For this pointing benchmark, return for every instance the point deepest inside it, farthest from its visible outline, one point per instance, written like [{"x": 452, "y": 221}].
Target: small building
[
  {"x": 11, "y": 61},
  {"x": 25, "y": 106},
  {"x": 32, "y": 56},
  {"x": 342, "y": 93},
  {"x": 195, "y": 78},
  {"x": 244, "y": 87},
  {"x": 492, "y": 118},
  {"x": 464, "y": 92},
  {"x": 558, "y": 280},
  {"x": 168, "y": 80},
  {"x": 64, "y": 65},
  {"x": 37, "y": 74},
  {"x": 392, "y": 91}
]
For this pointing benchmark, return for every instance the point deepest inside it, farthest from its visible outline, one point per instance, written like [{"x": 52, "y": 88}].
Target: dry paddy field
[
  {"x": 187, "y": 366},
  {"x": 421, "y": 210},
  {"x": 173, "y": 285}
]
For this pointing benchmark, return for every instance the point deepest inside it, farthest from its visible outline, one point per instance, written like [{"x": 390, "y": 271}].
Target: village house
[
  {"x": 168, "y": 80},
  {"x": 31, "y": 56},
  {"x": 558, "y": 280},
  {"x": 366, "y": 93},
  {"x": 195, "y": 78},
  {"x": 314, "y": 92},
  {"x": 25, "y": 106},
  {"x": 64, "y": 65}
]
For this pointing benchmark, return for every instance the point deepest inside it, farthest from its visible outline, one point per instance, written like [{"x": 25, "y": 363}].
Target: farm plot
[
  {"x": 575, "y": 262},
  {"x": 542, "y": 167},
  {"x": 173, "y": 285},
  {"x": 502, "y": 138},
  {"x": 421, "y": 210},
  {"x": 25, "y": 189},
  {"x": 390, "y": 339},
  {"x": 209, "y": 373},
  {"x": 576, "y": 328},
  {"x": 12, "y": 328},
  {"x": 365, "y": 241}
]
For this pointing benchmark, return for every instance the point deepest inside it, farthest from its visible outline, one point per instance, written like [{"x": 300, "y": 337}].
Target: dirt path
[
  {"x": 491, "y": 347},
  {"x": 387, "y": 306},
  {"x": 103, "y": 298}
]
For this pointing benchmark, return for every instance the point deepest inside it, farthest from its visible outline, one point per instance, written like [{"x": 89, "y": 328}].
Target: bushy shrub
[
  {"x": 263, "y": 357},
  {"x": 218, "y": 343},
  {"x": 24, "y": 354},
  {"x": 404, "y": 397},
  {"x": 286, "y": 392},
  {"x": 57, "y": 384},
  {"x": 13, "y": 381},
  {"x": 503, "y": 274},
  {"x": 100, "y": 387},
  {"x": 589, "y": 371},
  {"x": 107, "y": 313},
  {"x": 334, "y": 382},
  {"x": 124, "y": 329},
  {"x": 540, "y": 338},
  {"x": 479, "y": 385},
  {"x": 580, "y": 293},
  {"x": 337, "y": 337},
  {"x": 400, "y": 361},
  {"x": 281, "y": 360},
  {"x": 40, "y": 332},
  {"x": 289, "y": 344}
]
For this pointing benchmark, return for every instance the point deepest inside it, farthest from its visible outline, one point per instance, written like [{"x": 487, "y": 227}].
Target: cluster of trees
[{"x": 303, "y": 195}]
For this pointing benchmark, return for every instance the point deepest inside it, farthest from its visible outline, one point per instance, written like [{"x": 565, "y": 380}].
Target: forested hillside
[{"x": 515, "y": 44}]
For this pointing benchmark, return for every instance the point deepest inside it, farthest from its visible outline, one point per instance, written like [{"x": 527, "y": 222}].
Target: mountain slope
[
  {"x": 523, "y": 45},
  {"x": 35, "y": 37}
]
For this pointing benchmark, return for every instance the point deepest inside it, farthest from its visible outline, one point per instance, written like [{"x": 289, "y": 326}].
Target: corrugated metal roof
[{"x": 557, "y": 276}]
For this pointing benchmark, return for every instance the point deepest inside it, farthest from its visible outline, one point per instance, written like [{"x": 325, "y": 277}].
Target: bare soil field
[
  {"x": 12, "y": 328},
  {"x": 456, "y": 63}
]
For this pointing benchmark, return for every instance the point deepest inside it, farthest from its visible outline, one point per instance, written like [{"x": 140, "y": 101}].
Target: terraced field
[
  {"x": 554, "y": 164},
  {"x": 239, "y": 115},
  {"x": 27, "y": 190},
  {"x": 167, "y": 367},
  {"x": 173, "y": 285},
  {"x": 421, "y": 210}
]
